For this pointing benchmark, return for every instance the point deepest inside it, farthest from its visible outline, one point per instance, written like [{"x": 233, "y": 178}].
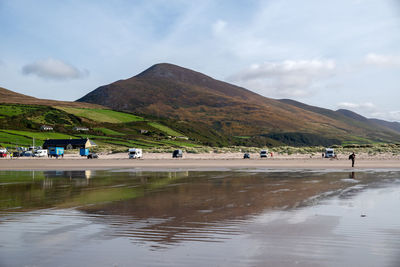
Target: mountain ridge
[
  {"x": 171, "y": 91},
  {"x": 10, "y": 97}
]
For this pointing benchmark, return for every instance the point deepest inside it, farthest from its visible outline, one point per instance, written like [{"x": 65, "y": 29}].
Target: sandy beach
[{"x": 203, "y": 161}]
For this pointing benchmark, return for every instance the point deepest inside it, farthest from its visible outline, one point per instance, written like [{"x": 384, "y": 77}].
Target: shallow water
[{"x": 197, "y": 218}]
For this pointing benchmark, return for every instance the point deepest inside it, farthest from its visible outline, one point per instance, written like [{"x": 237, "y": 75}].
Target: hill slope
[
  {"x": 111, "y": 130},
  {"x": 11, "y": 97},
  {"x": 22, "y": 116},
  {"x": 170, "y": 91},
  {"x": 392, "y": 125},
  {"x": 362, "y": 126}
]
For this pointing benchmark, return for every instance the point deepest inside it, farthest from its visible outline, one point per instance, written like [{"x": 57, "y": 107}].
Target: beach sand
[{"x": 201, "y": 161}]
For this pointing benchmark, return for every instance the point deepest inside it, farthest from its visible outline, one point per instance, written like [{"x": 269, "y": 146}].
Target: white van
[
  {"x": 41, "y": 153},
  {"x": 135, "y": 153},
  {"x": 330, "y": 153},
  {"x": 263, "y": 153}
]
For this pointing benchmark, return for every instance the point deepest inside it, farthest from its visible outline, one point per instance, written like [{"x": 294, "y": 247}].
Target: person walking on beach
[{"x": 353, "y": 158}]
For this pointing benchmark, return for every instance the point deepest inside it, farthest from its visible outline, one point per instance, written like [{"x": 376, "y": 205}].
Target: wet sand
[{"x": 197, "y": 161}]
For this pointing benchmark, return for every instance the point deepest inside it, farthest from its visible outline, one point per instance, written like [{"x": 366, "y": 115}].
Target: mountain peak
[
  {"x": 171, "y": 71},
  {"x": 351, "y": 114}
]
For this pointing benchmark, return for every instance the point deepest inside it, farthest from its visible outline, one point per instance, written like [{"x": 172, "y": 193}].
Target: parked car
[
  {"x": 246, "y": 155},
  {"x": 27, "y": 154},
  {"x": 3, "y": 153},
  {"x": 92, "y": 156},
  {"x": 329, "y": 153},
  {"x": 177, "y": 153},
  {"x": 263, "y": 153},
  {"x": 17, "y": 154},
  {"x": 135, "y": 153}
]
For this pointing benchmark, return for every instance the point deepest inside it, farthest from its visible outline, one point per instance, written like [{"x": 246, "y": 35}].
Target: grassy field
[
  {"x": 243, "y": 137},
  {"x": 25, "y": 138},
  {"x": 39, "y": 135},
  {"x": 102, "y": 115},
  {"x": 164, "y": 129},
  {"x": 175, "y": 143},
  {"x": 357, "y": 140},
  {"x": 111, "y": 130},
  {"x": 7, "y": 139},
  {"x": 15, "y": 110},
  {"x": 108, "y": 131}
]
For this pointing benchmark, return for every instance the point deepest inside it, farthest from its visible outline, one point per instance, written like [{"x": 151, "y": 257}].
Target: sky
[{"x": 332, "y": 54}]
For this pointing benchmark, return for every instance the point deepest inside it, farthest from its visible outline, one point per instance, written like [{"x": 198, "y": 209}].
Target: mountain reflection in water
[
  {"x": 214, "y": 204},
  {"x": 168, "y": 210},
  {"x": 168, "y": 207}
]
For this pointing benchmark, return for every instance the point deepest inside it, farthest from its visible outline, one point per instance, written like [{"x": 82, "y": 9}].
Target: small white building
[
  {"x": 81, "y": 129},
  {"x": 46, "y": 128}
]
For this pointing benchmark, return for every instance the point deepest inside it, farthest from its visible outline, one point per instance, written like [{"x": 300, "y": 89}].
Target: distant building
[
  {"x": 144, "y": 131},
  {"x": 46, "y": 128},
  {"x": 179, "y": 137},
  {"x": 81, "y": 129},
  {"x": 69, "y": 143}
]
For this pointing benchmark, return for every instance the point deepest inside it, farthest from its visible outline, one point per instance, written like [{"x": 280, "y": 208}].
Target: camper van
[
  {"x": 329, "y": 153},
  {"x": 40, "y": 153},
  {"x": 135, "y": 153}
]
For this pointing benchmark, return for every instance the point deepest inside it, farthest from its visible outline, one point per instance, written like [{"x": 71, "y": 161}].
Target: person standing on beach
[{"x": 353, "y": 158}]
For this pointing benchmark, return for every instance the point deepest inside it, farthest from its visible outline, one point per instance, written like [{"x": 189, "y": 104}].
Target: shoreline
[{"x": 104, "y": 162}]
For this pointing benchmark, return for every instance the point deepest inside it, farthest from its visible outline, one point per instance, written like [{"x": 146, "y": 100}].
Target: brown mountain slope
[
  {"x": 370, "y": 128},
  {"x": 10, "y": 97},
  {"x": 167, "y": 90}
]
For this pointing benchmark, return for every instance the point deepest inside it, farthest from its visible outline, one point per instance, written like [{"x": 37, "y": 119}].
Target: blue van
[{"x": 56, "y": 152}]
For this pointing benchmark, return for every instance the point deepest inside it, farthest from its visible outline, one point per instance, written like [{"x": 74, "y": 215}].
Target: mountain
[
  {"x": 170, "y": 91},
  {"x": 362, "y": 126},
  {"x": 392, "y": 125},
  {"x": 352, "y": 115},
  {"x": 11, "y": 97}
]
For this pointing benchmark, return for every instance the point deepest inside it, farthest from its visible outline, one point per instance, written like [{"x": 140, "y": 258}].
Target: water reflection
[
  {"x": 86, "y": 174},
  {"x": 209, "y": 206},
  {"x": 169, "y": 207},
  {"x": 284, "y": 217}
]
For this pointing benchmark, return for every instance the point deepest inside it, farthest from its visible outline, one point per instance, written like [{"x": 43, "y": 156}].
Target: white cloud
[
  {"x": 382, "y": 60},
  {"x": 368, "y": 106},
  {"x": 289, "y": 78},
  {"x": 370, "y": 110},
  {"x": 394, "y": 115},
  {"x": 219, "y": 26},
  {"x": 389, "y": 116},
  {"x": 54, "y": 69}
]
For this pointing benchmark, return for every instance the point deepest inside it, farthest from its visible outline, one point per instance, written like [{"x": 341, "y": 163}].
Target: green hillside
[
  {"x": 102, "y": 115},
  {"x": 111, "y": 130}
]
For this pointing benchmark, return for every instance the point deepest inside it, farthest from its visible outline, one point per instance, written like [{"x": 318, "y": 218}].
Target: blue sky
[{"x": 334, "y": 54}]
